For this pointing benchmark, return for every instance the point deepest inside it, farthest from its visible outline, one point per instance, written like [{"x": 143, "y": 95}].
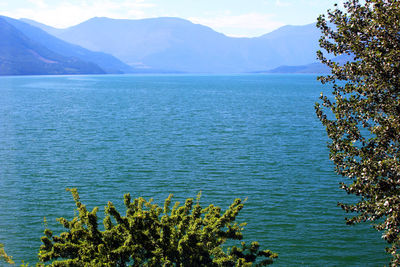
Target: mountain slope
[
  {"x": 296, "y": 45},
  {"x": 179, "y": 45},
  {"x": 20, "y": 55},
  {"x": 316, "y": 67},
  {"x": 107, "y": 62},
  {"x": 162, "y": 43},
  {"x": 309, "y": 68}
]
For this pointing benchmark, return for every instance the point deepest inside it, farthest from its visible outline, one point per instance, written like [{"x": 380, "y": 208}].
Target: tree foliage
[
  {"x": 149, "y": 235},
  {"x": 362, "y": 118},
  {"x": 4, "y": 256}
]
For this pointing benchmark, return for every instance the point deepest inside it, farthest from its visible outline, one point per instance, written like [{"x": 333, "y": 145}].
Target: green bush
[
  {"x": 4, "y": 256},
  {"x": 148, "y": 235}
]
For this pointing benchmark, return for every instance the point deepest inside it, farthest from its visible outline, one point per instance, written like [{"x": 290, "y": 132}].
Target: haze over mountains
[
  {"x": 20, "y": 55},
  {"x": 172, "y": 45},
  {"x": 105, "y": 62}
]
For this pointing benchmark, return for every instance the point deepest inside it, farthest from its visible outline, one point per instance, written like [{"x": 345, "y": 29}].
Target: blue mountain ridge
[
  {"x": 316, "y": 67},
  {"x": 174, "y": 44},
  {"x": 20, "y": 55},
  {"x": 105, "y": 61}
]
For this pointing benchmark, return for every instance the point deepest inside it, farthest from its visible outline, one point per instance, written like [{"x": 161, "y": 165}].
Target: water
[{"x": 252, "y": 136}]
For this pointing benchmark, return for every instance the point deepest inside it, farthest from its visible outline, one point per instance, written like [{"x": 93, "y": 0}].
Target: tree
[
  {"x": 362, "y": 118},
  {"x": 149, "y": 235},
  {"x": 4, "y": 256}
]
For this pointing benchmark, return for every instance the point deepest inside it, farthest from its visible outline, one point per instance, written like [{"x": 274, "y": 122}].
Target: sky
[{"x": 240, "y": 18}]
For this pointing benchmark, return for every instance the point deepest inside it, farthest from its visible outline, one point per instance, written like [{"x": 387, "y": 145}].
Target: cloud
[
  {"x": 250, "y": 24},
  {"x": 280, "y": 3},
  {"x": 39, "y": 3},
  {"x": 67, "y": 13}
]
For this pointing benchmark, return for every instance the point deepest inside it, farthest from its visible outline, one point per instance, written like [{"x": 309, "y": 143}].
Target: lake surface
[{"x": 254, "y": 136}]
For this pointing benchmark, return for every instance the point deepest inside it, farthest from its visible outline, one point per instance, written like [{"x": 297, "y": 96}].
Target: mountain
[
  {"x": 36, "y": 24},
  {"x": 173, "y": 44},
  {"x": 20, "y": 55},
  {"x": 295, "y": 45},
  {"x": 312, "y": 67},
  {"x": 309, "y": 68},
  {"x": 105, "y": 61}
]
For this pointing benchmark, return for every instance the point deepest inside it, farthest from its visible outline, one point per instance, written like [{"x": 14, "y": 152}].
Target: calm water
[{"x": 252, "y": 136}]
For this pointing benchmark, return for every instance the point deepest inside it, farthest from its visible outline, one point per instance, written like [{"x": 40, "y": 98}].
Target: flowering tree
[{"x": 362, "y": 118}]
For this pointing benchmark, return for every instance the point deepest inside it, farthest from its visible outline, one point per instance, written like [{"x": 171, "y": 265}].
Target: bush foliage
[
  {"x": 149, "y": 235},
  {"x": 4, "y": 256}
]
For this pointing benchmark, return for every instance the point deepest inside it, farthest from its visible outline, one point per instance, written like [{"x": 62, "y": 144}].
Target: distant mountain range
[
  {"x": 106, "y": 45},
  {"x": 175, "y": 44},
  {"x": 312, "y": 67},
  {"x": 20, "y": 55},
  {"x": 308, "y": 68},
  {"x": 107, "y": 63}
]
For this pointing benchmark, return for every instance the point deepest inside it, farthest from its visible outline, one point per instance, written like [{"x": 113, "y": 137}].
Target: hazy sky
[{"x": 231, "y": 17}]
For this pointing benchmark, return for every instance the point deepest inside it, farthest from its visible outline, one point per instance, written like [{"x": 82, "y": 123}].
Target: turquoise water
[{"x": 252, "y": 136}]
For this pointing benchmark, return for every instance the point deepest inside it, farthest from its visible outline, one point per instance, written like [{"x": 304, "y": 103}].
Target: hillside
[
  {"x": 105, "y": 61},
  {"x": 316, "y": 67},
  {"x": 173, "y": 44},
  {"x": 19, "y": 55}
]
